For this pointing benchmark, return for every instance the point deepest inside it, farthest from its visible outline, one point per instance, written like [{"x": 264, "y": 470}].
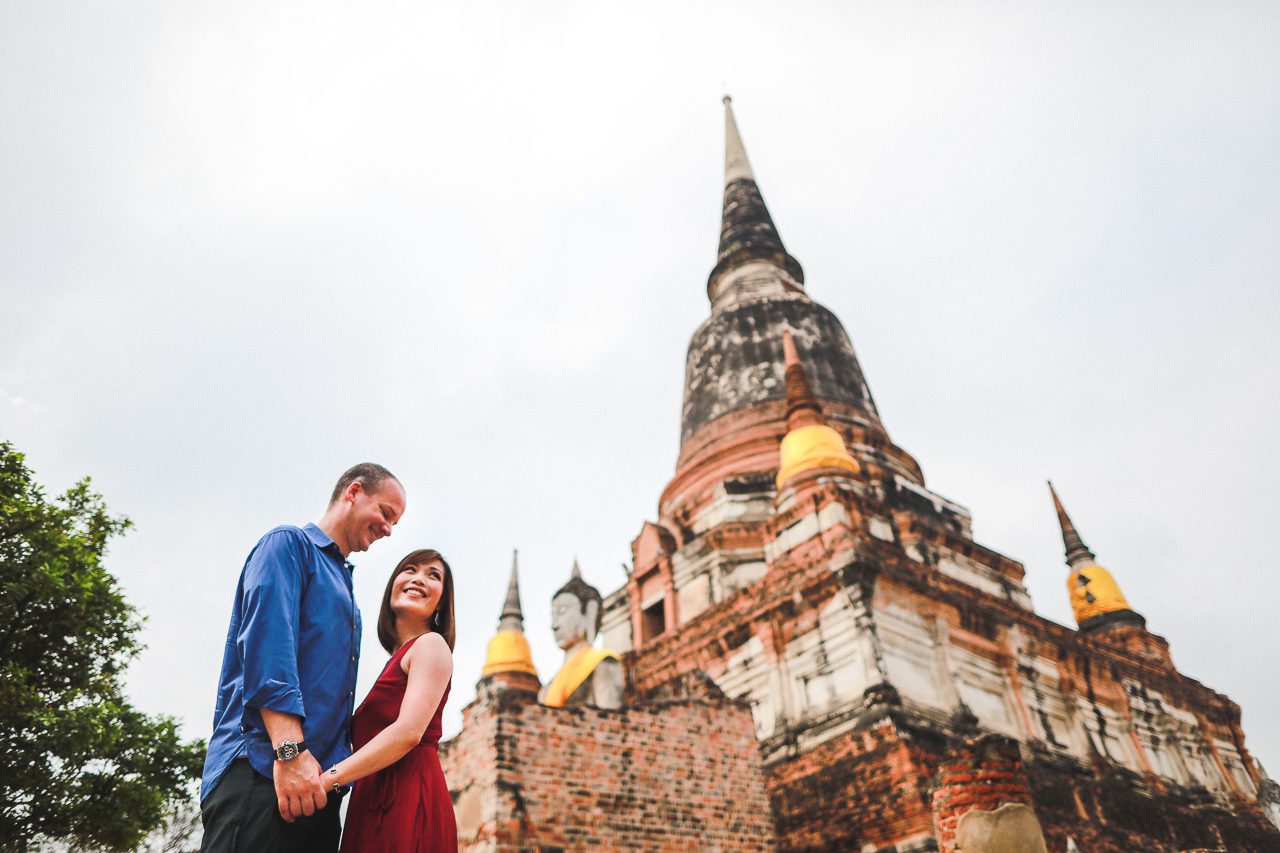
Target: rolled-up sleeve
[{"x": 268, "y": 638}]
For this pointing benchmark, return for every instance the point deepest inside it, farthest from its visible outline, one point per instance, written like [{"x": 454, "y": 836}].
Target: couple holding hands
[{"x": 285, "y": 723}]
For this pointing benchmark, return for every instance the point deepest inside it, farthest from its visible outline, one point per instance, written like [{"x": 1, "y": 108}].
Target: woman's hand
[{"x": 428, "y": 665}]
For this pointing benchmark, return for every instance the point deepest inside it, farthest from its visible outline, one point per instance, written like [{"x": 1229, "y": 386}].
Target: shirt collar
[{"x": 322, "y": 541}]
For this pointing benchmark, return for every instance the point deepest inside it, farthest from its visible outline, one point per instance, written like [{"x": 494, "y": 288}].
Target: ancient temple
[{"x": 902, "y": 692}]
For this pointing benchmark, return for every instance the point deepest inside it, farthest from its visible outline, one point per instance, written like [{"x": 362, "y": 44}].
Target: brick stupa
[{"x": 900, "y": 693}]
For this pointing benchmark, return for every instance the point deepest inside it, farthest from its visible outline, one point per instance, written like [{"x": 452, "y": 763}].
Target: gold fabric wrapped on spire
[
  {"x": 810, "y": 447},
  {"x": 809, "y": 443},
  {"x": 1094, "y": 592},
  {"x": 509, "y": 650}
]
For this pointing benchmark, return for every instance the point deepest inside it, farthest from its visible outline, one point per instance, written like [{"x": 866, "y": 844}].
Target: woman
[{"x": 404, "y": 806}]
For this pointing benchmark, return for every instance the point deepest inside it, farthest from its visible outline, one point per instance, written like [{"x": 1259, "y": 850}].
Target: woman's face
[{"x": 416, "y": 591}]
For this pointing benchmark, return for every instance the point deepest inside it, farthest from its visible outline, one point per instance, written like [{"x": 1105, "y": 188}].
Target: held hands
[{"x": 299, "y": 789}]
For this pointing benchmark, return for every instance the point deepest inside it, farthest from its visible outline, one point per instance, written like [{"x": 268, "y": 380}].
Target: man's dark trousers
[{"x": 242, "y": 815}]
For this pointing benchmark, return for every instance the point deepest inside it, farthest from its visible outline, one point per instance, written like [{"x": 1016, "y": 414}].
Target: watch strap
[{"x": 289, "y": 750}]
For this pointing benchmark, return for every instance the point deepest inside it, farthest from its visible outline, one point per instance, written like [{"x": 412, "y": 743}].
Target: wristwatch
[{"x": 289, "y": 750}]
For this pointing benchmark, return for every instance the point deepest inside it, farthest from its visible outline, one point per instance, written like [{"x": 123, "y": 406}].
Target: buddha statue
[{"x": 589, "y": 676}]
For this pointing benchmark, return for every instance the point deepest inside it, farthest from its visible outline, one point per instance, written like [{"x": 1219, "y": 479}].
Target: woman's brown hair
[{"x": 442, "y": 621}]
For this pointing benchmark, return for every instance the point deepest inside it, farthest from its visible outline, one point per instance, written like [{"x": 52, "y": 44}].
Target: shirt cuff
[{"x": 277, "y": 696}]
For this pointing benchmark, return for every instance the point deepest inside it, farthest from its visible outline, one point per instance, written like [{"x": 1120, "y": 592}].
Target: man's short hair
[{"x": 369, "y": 475}]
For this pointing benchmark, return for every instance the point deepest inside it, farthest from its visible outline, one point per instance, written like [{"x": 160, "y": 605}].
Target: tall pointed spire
[
  {"x": 747, "y": 232},
  {"x": 1077, "y": 552},
  {"x": 512, "y": 615}
]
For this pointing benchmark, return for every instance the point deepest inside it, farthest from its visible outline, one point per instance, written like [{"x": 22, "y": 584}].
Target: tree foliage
[{"x": 77, "y": 762}]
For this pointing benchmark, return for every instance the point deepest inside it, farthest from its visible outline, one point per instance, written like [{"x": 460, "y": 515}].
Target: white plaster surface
[
  {"x": 1012, "y": 828},
  {"x": 617, "y": 636},
  {"x": 694, "y": 597},
  {"x": 802, "y": 531},
  {"x": 910, "y": 657},
  {"x": 743, "y": 575},
  {"x": 880, "y": 528},
  {"x": 729, "y": 507}
]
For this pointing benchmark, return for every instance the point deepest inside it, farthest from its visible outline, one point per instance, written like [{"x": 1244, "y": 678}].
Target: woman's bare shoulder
[{"x": 430, "y": 650}]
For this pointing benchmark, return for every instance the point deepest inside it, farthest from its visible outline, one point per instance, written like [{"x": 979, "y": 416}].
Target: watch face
[{"x": 287, "y": 751}]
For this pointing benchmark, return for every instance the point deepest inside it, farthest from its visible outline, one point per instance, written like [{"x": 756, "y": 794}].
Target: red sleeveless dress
[{"x": 404, "y": 808}]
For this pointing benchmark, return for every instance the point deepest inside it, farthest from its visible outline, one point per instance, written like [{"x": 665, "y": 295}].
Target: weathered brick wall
[
  {"x": 674, "y": 776},
  {"x": 982, "y": 773},
  {"x": 1113, "y": 811},
  {"x": 470, "y": 763},
  {"x": 870, "y": 787},
  {"x": 865, "y": 790}
]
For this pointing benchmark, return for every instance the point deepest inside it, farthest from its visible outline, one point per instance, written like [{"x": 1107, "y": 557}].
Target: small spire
[
  {"x": 810, "y": 444},
  {"x": 576, "y": 573},
  {"x": 1096, "y": 599},
  {"x": 803, "y": 407},
  {"x": 1077, "y": 552},
  {"x": 508, "y": 659},
  {"x": 512, "y": 614}
]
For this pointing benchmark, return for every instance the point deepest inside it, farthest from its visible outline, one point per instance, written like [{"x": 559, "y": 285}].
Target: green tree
[{"x": 78, "y": 763}]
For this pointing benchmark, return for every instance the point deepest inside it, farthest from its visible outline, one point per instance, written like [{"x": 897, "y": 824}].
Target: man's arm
[
  {"x": 298, "y": 788},
  {"x": 268, "y": 644}
]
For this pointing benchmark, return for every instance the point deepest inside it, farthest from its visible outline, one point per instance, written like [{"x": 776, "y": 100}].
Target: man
[
  {"x": 589, "y": 676},
  {"x": 287, "y": 688}
]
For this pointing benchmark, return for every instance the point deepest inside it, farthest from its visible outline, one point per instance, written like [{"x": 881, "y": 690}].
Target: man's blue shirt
[{"x": 293, "y": 646}]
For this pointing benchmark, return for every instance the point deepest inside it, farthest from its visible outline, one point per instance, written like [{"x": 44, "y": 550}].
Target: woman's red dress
[{"x": 404, "y": 808}]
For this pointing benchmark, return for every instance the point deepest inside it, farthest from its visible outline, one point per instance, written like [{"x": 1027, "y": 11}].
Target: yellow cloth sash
[{"x": 575, "y": 671}]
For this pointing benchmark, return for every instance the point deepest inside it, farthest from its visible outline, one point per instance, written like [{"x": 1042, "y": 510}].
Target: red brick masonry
[{"x": 680, "y": 775}]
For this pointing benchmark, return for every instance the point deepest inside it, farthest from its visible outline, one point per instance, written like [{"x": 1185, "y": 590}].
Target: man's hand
[{"x": 299, "y": 791}]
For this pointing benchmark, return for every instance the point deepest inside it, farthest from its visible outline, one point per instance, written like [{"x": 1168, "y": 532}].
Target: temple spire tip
[
  {"x": 736, "y": 165},
  {"x": 512, "y": 618},
  {"x": 1076, "y": 550},
  {"x": 747, "y": 232}
]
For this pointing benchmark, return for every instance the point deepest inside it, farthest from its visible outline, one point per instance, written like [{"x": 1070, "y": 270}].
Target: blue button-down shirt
[{"x": 293, "y": 646}]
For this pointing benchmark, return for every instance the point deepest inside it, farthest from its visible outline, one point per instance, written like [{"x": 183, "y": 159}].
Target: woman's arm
[{"x": 428, "y": 665}]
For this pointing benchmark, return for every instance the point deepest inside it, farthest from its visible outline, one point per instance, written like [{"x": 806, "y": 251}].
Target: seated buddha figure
[{"x": 589, "y": 676}]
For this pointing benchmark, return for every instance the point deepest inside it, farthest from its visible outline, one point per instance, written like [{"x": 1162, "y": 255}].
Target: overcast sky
[{"x": 246, "y": 245}]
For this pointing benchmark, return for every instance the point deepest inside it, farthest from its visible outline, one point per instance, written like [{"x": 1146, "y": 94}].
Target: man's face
[
  {"x": 568, "y": 622},
  {"x": 372, "y": 514}
]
